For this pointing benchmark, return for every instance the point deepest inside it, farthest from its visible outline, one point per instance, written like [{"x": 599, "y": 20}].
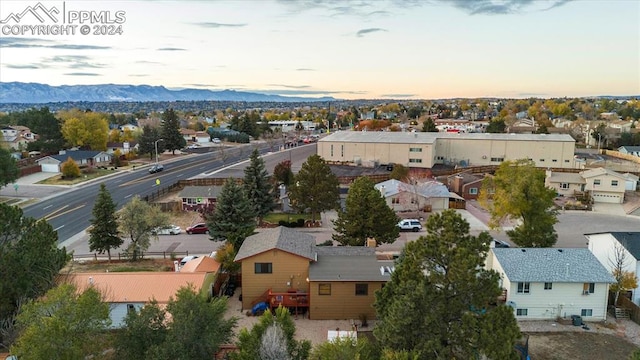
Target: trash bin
[{"x": 577, "y": 320}]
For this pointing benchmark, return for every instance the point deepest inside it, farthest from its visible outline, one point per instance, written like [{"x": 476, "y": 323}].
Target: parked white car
[
  {"x": 216, "y": 141},
  {"x": 169, "y": 230},
  {"x": 410, "y": 225}
]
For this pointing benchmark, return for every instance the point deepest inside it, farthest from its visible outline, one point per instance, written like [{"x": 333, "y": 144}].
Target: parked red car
[{"x": 200, "y": 228}]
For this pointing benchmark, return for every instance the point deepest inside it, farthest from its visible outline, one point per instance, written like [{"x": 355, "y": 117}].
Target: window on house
[
  {"x": 342, "y": 150},
  {"x": 131, "y": 308},
  {"x": 554, "y": 160},
  {"x": 566, "y": 161},
  {"x": 473, "y": 191},
  {"x": 439, "y": 157},
  {"x": 589, "y": 288},
  {"x": 564, "y": 186},
  {"x": 586, "y": 312},
  {"x": 415, "y": 161},
  {"x": 331, "y": 150},
  {"x": 362, "y": 289},
  {"x": 263, "y": 268},
  {"x": 324, "y": 289},
  {"x": 395, "y": 201},
  {"x": 522, "y": 312},
  {"x": 548, "y": 286},
  {"x": 497, "y": 159},
  {"x": 614, "y": 182},
  {"x": 541, "y": 160},
  {"x": 596, "y": 182},
  {"x": 524, "y": 287},
  {"x": 415, "y": 149}
]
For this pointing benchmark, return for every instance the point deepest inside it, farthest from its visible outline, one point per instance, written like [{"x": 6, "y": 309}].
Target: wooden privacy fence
[
  {"x": 125, "y": 256},
  {"x": 634, "y": 310}
]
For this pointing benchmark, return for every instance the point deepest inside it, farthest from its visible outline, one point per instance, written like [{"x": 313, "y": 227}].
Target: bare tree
[
  {"x": 273, "y": 345},
  {"x": 625, "y": 280}
]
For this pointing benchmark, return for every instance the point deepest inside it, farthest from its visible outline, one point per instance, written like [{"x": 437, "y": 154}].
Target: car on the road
[
  {"x": 168, "y": 230},
  {"x": 193, "y": 146},
  {"x": 216, "y": 141},
  {"x": 156, "y": 168},
  {"x": 410, "y": 225},
  {"x": 200, "y": 228}
]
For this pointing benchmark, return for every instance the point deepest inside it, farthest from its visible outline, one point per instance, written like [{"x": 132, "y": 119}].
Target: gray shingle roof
[
  {"x": 77, "y": 155},
  {"x": 281, "y": 238},
  {"x": 565, "y": 177},
  {"x": 427, "y": 189},
  {"x": 200, "y": 191},
  {"x": 354, "y": 267},
  {"x": 630, "y": 241},
  {"x": 429, "y": 138},
  {"x": 551, "y": 265}
]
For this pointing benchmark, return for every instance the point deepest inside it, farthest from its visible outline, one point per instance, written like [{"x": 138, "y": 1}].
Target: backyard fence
[{"x": 125, "y": 256}]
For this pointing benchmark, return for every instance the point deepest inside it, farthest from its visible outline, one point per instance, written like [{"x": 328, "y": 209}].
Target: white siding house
[
  {"x": 603, "y": 246},
  {"x": 546, "y": 283}
]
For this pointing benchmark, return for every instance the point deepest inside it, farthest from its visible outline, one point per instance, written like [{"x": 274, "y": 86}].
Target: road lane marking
[
  {"x": 46, "y": 207},
  {"x": 58, "y": 228},
  {"x": 54, "y": 212},
  {"x": 66, "y": 212},
  {"x": 128, "y": 196}
]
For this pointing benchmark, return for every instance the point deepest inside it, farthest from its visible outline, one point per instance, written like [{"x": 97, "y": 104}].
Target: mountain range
[{"x": 36, "y": 93}]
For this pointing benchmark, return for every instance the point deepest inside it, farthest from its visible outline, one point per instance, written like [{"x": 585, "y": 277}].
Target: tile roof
[
  {"x": 357, "y": 266},
  {"x": 630, "y": 241},
  {"x": 430, "y": 138},
  {"x": 282, "y": 238},
  {"x": 139, "y": 287},
  {"x": 200, "y": 191},
  {"x": 201, "y": 264},
  {"x": 551, "y": 265}
]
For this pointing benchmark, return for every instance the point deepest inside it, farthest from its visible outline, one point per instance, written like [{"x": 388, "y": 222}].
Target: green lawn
[
  {"x": 57, "y": 180},
  {"x": 274, "y": 218}
]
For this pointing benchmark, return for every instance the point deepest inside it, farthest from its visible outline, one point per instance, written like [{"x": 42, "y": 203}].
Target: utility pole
[{"x": 156, "y": 146}]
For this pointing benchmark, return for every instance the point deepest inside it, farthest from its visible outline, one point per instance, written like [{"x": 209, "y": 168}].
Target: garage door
[
  {"x": 607, "y": 198},
  {"x": 51, "y": 168}
]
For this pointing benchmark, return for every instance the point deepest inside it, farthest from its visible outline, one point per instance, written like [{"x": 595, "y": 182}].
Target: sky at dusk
[{"x": 402, "y": 49}]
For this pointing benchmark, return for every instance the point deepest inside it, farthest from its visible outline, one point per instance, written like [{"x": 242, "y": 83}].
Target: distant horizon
[
  {"x": 359, "y": 49},
  {"x": 271, "y": 92}
]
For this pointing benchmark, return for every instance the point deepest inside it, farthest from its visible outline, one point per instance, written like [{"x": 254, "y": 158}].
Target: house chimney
[{"x": 383, "y": 191}]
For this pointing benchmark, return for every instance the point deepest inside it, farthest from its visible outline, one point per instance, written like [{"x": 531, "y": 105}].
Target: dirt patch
[
  {"x": 118, "y": 266},
  {"x": 576, "y": 345}
]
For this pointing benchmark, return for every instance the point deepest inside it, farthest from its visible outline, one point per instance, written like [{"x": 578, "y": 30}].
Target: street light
[{"x": 155, "y": 143}]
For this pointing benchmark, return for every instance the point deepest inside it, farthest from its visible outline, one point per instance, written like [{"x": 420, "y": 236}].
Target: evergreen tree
[
  {"x": 366, "y": 215},
  {"x": 429, "y": 126},
  {"x": 103, "y": 235},
  {"x": 233, "y": 218},
  {"x": 257, "y": 186},
  {"x": 517, "y": 192},
  {"x": 146, "y": 145},
  {"x": 173, "y": 139},
  {"x": 30, "y": 261},
  {"x": 437, "y": 302},
  {"x": 315, "y": 187},
  {"x": 8, "y": 168}
]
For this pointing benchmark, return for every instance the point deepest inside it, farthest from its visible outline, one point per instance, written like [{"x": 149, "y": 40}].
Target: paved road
[{"x": 69, "y": 211}]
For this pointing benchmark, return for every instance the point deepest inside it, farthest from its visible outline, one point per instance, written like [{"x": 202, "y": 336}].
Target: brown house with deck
[{"x": 282, "y": 266}]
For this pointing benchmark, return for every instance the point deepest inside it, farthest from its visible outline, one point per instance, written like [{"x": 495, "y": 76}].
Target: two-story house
[
  {"x": 282, "y": 266},
  {"x": 547, "y": 283},
  {"x": 605, "y": 245},
  {"x": 605, "y": 185}
]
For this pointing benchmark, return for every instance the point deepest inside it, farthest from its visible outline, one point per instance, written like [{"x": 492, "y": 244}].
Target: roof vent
[
  {"x": 559, "y": 250},
  {"x": 91, "y": 280},
  {"x": 524, "y": 250}
]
